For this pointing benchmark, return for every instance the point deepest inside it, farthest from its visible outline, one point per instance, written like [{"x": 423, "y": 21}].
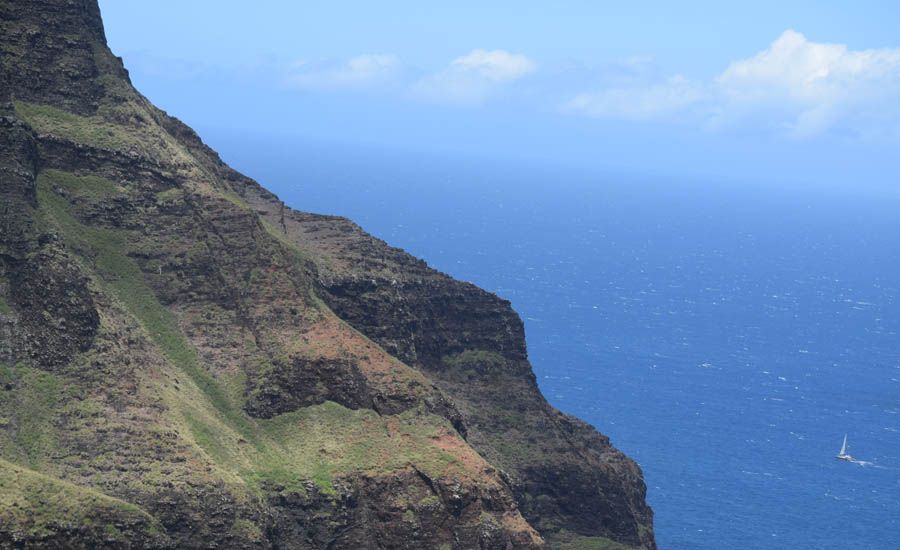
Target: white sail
[{"x": 844, "y": 446}]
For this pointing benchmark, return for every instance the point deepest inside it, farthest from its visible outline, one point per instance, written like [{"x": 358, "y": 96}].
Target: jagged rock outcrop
[
  {"x": 186, "y": 362},
  {"x": 470, "y": 342}
]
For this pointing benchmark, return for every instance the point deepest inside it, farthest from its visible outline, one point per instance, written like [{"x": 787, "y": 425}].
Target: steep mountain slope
[{"x": 186, "y": 362}]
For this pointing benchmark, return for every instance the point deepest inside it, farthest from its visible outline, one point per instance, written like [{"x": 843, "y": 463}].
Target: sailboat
[{"x": 843, "y": 454}]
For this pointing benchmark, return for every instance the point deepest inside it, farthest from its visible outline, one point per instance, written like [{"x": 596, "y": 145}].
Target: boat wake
[{"x": 867, "y": 464}]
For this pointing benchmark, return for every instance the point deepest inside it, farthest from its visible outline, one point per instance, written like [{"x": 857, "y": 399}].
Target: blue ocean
[{"x": 726, "y": 336}]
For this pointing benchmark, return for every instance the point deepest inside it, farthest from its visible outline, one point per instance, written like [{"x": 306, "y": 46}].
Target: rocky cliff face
[{"x": 186, "y": 362}]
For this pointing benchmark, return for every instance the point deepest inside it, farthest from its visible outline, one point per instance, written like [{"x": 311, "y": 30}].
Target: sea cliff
[{"x": 187, "y": 362}]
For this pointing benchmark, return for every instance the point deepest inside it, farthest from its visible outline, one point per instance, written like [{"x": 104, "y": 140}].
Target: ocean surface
[{"x": 725, "y": 336}]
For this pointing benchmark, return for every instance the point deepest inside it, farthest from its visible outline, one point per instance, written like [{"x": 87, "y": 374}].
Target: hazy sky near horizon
[{"x": 803, "y": 91}]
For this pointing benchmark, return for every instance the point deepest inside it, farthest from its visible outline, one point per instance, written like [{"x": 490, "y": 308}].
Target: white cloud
[
  {"x": 815, "y": 85},
  {"x": 469, "y": 79},
  {"x": 474, "y": 77},
  {"x": 639, "y": 102},
  {"x": 494, "y": 65},
  {"x": 795, "y": 86},
  {"x": 362, "y": 71}
]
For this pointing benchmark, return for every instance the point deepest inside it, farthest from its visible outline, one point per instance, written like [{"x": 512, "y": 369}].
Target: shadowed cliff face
[{"x": 186, "y": 362}]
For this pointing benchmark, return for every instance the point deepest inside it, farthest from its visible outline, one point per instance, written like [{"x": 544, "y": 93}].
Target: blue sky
[{"x": 802, "y": 92}]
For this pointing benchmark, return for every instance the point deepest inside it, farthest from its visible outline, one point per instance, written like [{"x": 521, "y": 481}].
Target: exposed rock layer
[{"x": 186, "y": 362}]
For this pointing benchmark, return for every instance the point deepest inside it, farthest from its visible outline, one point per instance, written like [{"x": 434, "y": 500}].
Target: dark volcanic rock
[
  {"x": 18, "y": 193},
  {"x": 433, "y": 514},
  {"x": 53, "y": 53},
  {"x": 57, "y": 314},
  {"x": 306, "y": 382}
]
